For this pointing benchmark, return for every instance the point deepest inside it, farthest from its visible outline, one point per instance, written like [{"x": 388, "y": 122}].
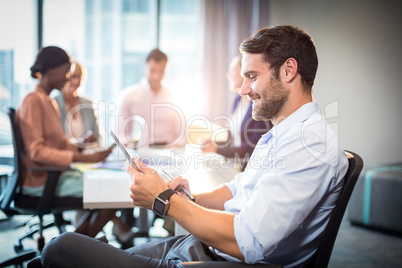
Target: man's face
[
  {"x": 261, "y": 86},
  {"x": 155, "y": 70}
]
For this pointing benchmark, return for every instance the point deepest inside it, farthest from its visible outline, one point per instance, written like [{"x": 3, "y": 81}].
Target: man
[
  {"x": 244, "y": 131},
  {"x": 159, "y": 119},
  {"x": 277, "y": 208}
]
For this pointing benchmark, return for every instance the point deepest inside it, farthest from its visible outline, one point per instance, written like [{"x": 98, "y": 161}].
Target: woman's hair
[
  {"x": 78, "y": 68},
  {"x": 48, "y": 58}
]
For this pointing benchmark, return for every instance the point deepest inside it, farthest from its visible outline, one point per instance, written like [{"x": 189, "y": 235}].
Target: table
[{"x": 107, "y": 187}]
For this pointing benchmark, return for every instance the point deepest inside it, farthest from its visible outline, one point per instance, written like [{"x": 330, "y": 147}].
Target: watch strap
[{"x": 165, "y": 195}]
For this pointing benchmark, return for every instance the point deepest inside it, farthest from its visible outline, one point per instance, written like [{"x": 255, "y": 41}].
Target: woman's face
[
  {"x": 60, "y": 75},
  {"x": 74, "y": 83}
]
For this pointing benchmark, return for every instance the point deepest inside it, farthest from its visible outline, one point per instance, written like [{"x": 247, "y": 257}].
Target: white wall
[{"x": 359, "y": 48}]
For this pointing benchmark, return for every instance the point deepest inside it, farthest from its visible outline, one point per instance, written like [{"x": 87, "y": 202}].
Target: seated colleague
[
  {"x": 81, "y": 127},
  {"x": 77, "y": 114},
  {"x": 154, "y": 103},
  {"x": 244, "y": 131},
  {"x": 44, "y": 142},
  {"x": 276, "y": 210}
]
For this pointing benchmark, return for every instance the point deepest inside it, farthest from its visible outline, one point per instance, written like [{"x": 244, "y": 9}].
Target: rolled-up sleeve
[{"x": 233, "y": 184}]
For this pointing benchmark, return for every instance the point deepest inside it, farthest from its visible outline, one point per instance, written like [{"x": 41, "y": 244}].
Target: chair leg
[
  {"x": 18, "y": 247},
  {"x": 41, "y": 243},
  {"x": 60, "y": 222},
  {"x": 41, "y": 239},
  {"x": 18, "y": 260}
]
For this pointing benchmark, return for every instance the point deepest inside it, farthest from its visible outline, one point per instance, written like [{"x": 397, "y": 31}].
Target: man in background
[{"x": 148, "y": 107}]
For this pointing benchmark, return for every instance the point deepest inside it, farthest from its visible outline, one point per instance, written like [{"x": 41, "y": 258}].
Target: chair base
[{"x": 18, "y": 260}]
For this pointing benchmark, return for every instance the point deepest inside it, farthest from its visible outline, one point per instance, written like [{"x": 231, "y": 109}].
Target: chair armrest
[
  {"x": 225, "y": 264},
  {"x": 48, "y": 168}
]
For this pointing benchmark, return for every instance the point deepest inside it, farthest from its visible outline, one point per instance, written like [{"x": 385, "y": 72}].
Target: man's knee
[{"x": 54, "y": 250}]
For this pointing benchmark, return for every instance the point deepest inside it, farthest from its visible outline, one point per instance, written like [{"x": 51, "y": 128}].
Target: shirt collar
[
  {"x": 299, "y": 116},
  {"x": 266, "y": 137}
]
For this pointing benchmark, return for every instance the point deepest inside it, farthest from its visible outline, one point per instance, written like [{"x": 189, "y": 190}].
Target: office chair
[
  {"x": 323, "y": 254},
  {"x": 14, "y": 202}
]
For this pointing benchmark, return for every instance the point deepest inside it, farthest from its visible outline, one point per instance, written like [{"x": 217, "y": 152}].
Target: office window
[
  {"x": 139, "y": 36},
  {"x": 17, "y": 51},
  {"x": 179, "y": 36},
  {"x": 63, "y": 26},
  {"x": 112, "y": 38},
  {"x": 138, "y": 6}
]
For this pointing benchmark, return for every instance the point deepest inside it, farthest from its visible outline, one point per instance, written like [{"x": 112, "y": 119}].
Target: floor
[
  {"x": 11, "y": 229},
  {"x": 355, "y": 246}
]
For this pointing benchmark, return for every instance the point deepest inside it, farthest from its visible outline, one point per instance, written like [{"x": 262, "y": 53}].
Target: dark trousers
[{"x": 75, "y": 250}]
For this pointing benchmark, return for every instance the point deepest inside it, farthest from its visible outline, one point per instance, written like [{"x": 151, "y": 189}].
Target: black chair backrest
[
  {"x": 323, "y": 254},
  {"x": 15, "y": 178}
]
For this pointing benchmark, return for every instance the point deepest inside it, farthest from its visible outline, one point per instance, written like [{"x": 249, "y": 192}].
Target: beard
[{"x": 272, "y": 98}]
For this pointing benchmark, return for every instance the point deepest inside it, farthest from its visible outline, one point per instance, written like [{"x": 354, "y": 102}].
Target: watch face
[{"x": 159, "y": 207}]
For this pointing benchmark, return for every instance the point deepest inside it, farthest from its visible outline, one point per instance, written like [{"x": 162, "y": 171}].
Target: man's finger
[{"x": 142, "y": 167}]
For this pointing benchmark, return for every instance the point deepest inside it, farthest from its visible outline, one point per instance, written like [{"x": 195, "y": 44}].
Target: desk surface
[{"x": 109, "y": 188}]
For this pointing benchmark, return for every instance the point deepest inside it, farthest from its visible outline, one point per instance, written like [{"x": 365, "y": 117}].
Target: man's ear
[{"x": 289, "y": 70}]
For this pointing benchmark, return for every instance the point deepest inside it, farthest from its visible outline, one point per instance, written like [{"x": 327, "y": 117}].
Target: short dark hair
[
  {"x": 280, "y": 43},
  {"x": 156, "y": 55},
  {"x": 48, "y": 58}
]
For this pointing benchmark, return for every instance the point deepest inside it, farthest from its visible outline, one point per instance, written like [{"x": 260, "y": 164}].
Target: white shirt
[
  {"x": 76, "y": 129},
  {"x": 161, "y": 118},
  {"x": 283, "y": 199}
]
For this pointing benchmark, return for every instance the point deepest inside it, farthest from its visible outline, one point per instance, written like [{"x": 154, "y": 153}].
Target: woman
[
  {"x": 44, "y": 141},
  {"x": 77, "y": 114},
  {"x": 81, "y": 127}
]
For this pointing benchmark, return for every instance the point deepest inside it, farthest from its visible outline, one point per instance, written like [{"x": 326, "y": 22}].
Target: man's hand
[
  {"x": 211, "y": 226},
  {"x": 208, "y": 147},
  {"x": 146, "y": 185},
  {"x": 90, "y": 138},
  {"x": 94, "y": 157},
  {"x": 179, "y": 181}
]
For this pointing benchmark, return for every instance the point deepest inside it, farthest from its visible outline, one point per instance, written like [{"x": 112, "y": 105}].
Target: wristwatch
[{"x": 161, "y": 202}]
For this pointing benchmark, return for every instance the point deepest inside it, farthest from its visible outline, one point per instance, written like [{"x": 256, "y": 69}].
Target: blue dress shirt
[{"x": 283, "y": 199}]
